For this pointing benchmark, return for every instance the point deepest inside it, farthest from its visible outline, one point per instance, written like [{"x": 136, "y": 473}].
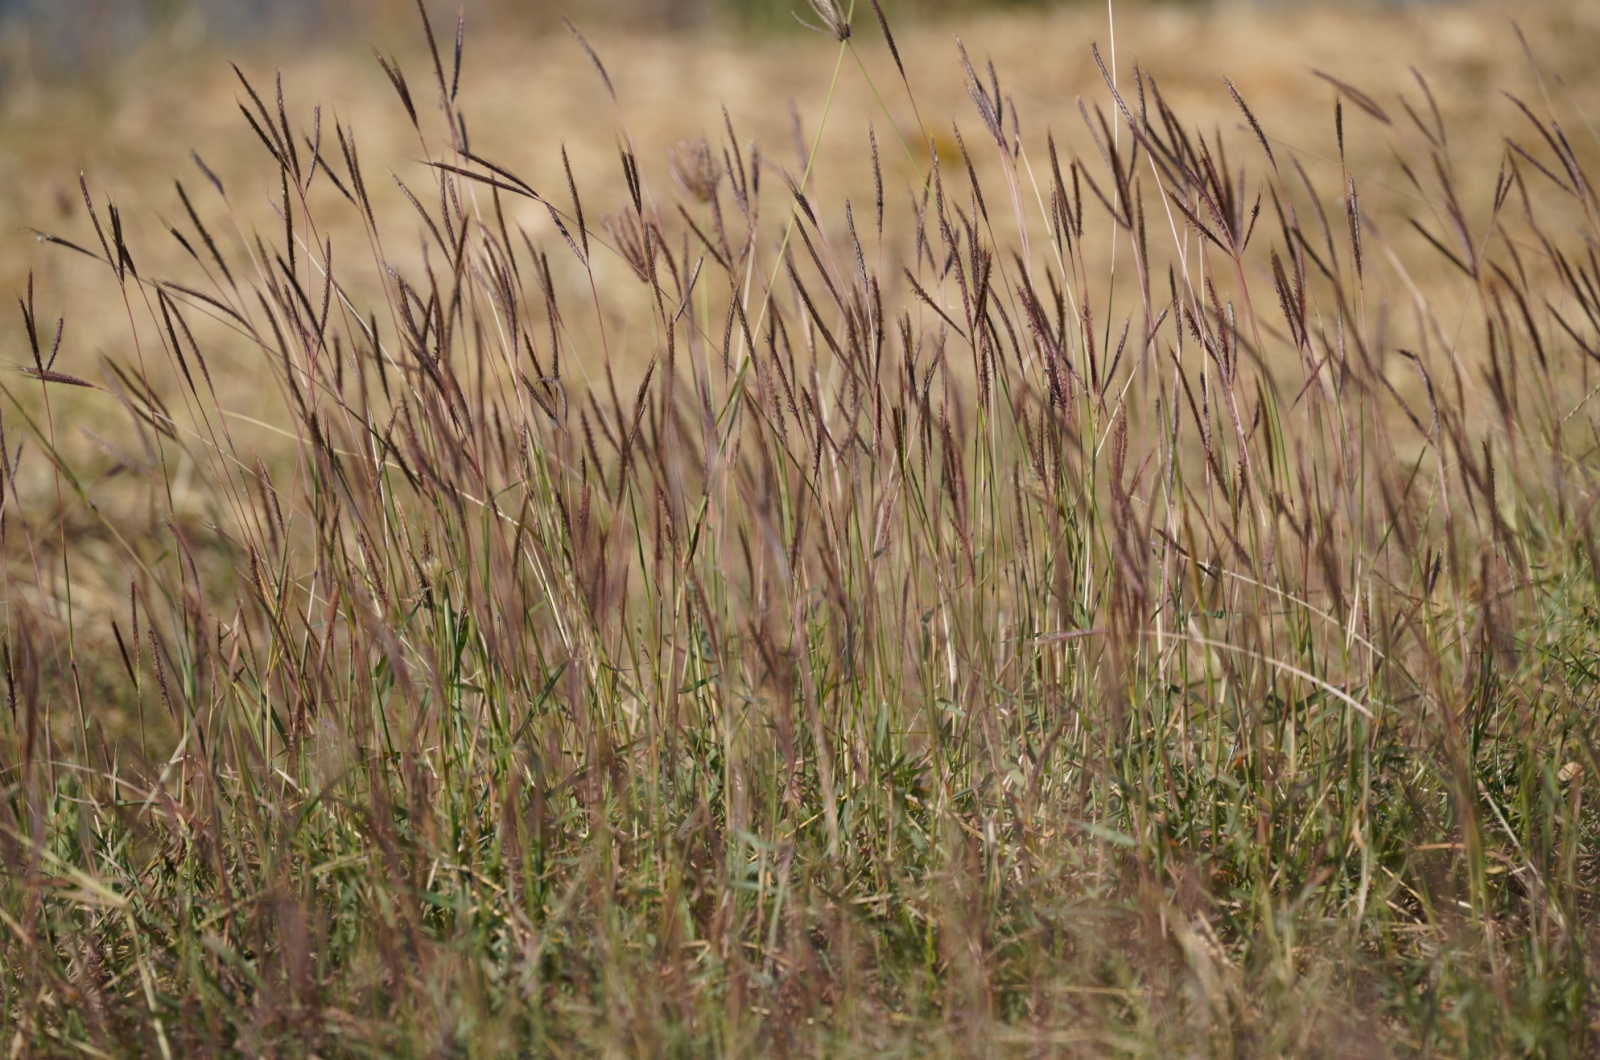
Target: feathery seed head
[
  {"x": 693, "y": 168},
  {"x": 831, "y": 19}
]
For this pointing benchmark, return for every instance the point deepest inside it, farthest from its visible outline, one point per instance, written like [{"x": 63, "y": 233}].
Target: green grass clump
[{"x": 1108, "y": 604}]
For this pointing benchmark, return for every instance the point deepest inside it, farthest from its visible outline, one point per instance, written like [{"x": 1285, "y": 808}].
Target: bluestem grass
[{"x": 940, "y": 643}]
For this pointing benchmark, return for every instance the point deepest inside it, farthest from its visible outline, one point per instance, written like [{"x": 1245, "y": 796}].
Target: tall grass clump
[{"x": 1114, "y": 595}]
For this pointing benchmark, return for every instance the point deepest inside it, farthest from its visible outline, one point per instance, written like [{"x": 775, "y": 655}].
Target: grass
[{"x": 1091, "y": 599}]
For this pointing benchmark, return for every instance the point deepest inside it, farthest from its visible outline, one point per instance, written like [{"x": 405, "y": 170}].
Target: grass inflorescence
[{"x": 1093, "y": 601}]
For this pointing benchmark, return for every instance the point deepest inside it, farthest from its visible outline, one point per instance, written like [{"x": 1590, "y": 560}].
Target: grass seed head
[{"x": 694, "y": 169}]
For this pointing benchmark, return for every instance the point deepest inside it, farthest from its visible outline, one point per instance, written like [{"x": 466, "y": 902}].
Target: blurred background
[
  {"x": 56, "y": 38},
  {"x": 122, "y": 91}
]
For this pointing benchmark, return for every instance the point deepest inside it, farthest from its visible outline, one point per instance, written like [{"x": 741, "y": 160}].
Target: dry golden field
[{"x": 130, "y": 130}]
